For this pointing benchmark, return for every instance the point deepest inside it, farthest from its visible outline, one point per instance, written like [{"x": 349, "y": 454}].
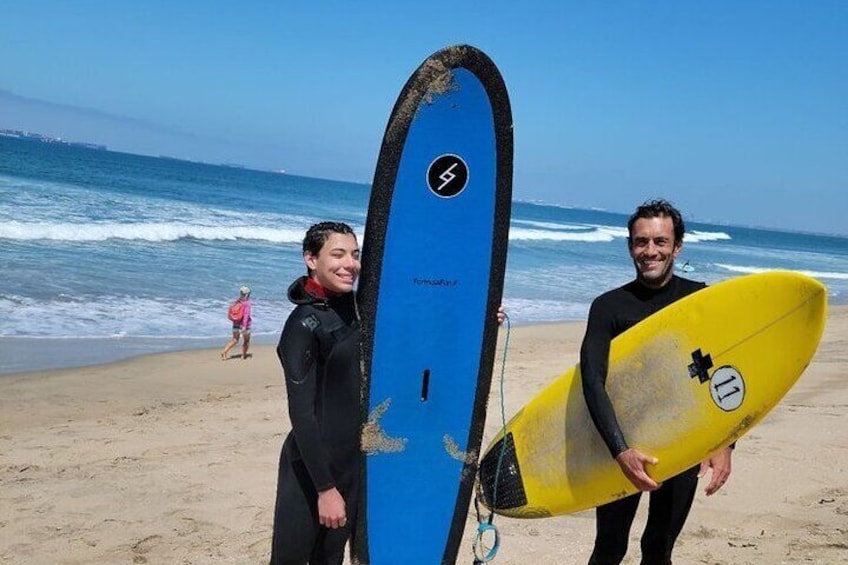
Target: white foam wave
[
  {"x": 549, "y": 225},
  {"x": 752, "y": 270},
  {"x": 121, "y": 317},
  {"x": 523, "y": 311},
  {"x": 701, "y": 236},
  {"x": 552, "y": 231},
  {"x": 561, "y": 206},
  {"x": 591, "y": 234},
  {"x": 153, "y": 232}
]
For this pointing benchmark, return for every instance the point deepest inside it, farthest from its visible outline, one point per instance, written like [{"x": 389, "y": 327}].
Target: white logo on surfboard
[
  {"x": 447, "y": 175},
  {"x": 727, "y": 387}
]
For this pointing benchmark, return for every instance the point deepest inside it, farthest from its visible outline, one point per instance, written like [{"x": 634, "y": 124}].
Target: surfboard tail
[{"x": 500, "y": 484}]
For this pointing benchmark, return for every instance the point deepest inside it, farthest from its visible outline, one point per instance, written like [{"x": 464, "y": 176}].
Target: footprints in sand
[
  {"x": 821, "y": 531},
  {"x": 125, "y": 460},
  {"x": 804, "y": 528},
  {"x": 18, "y": 470},
  {"x": 142, "y": 547},
  {"x": 832, "y": 498},
  {"x": 189, "y": 539}
]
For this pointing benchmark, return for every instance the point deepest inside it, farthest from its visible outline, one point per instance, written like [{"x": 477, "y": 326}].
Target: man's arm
[{"x": 594, "y": 365}]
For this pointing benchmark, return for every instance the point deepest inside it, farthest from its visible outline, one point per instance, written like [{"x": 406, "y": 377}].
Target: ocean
[{"x": 108, "y": 255}]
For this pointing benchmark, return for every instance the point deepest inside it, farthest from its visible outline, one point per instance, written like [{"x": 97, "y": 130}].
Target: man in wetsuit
[
  {"x": 655, "y": 239},
  {"x": 318, "y": 480}
]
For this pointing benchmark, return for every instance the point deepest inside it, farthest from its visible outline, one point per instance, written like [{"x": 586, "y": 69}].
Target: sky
[{"x": 736, "y": 111}]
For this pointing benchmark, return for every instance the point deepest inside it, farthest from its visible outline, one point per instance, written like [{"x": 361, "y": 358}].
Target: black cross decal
[{"x": 700, "y": 365}]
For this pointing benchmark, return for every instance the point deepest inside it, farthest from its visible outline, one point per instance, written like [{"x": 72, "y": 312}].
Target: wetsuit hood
[{"x": 298, "y": 294}]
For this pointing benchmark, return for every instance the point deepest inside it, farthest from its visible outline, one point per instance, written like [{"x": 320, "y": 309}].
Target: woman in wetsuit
[{"x": 318, "y": 479}]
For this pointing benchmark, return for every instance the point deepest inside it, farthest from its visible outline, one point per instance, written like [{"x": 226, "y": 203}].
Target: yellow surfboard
[{"x": 684, "y": 382}]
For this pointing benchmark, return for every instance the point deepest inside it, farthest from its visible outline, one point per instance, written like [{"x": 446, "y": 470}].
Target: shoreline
[
  {"x": 21, "y": 355},
  {"x": 26, "y": 355},
  {"x": 172, "y": 457},
  {"x": 32, "y": 355}
]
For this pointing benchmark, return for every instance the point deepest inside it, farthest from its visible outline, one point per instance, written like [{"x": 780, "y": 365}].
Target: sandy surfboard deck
[{"x": 434, "y": 255}]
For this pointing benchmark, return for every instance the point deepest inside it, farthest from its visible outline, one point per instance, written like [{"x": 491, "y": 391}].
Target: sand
[{"x": 172, "y": 458}]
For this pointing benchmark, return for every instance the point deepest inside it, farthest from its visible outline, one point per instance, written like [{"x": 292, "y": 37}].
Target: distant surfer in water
[
  {"x": 655, "y": 239},
  {"x": 318, "y": 478},
  {"x": 686, "y": 267}
]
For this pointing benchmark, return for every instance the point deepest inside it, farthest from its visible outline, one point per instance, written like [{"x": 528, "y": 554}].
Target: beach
[{"x": 172, "y": 458}]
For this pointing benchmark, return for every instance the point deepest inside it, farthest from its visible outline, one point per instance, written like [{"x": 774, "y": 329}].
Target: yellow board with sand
[{"x": 685, "y": 382}]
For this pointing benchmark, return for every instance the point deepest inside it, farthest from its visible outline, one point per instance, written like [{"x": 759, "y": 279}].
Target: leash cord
[{"x": 486, "y": 526}]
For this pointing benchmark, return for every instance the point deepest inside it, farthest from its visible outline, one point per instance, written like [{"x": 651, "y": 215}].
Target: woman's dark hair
[{"x": 318, "y": 234}]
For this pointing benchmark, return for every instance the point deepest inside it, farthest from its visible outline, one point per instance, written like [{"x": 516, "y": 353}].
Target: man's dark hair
[
  {"x": 318, "y": 234},
  {"x": 657, "y": 209}
]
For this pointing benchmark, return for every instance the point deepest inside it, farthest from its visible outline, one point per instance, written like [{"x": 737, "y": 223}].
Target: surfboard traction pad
[
  {"x": 432, "y": 78},
  {"x": 501, "y": 486}
]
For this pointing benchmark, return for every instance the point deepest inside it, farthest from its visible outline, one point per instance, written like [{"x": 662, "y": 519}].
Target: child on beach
[{"x": 239, "y": 315}]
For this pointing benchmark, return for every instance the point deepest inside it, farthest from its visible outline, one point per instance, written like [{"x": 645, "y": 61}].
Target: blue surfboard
[{"x": 434, "y": 255}]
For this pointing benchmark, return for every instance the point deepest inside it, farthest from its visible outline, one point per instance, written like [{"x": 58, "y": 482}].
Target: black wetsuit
[
  {"x": 319, "y": 351},
  {"x": 611, "y": 314}
]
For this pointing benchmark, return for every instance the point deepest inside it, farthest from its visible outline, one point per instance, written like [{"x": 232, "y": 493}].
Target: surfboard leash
[{"x": 485, "y": 525}]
